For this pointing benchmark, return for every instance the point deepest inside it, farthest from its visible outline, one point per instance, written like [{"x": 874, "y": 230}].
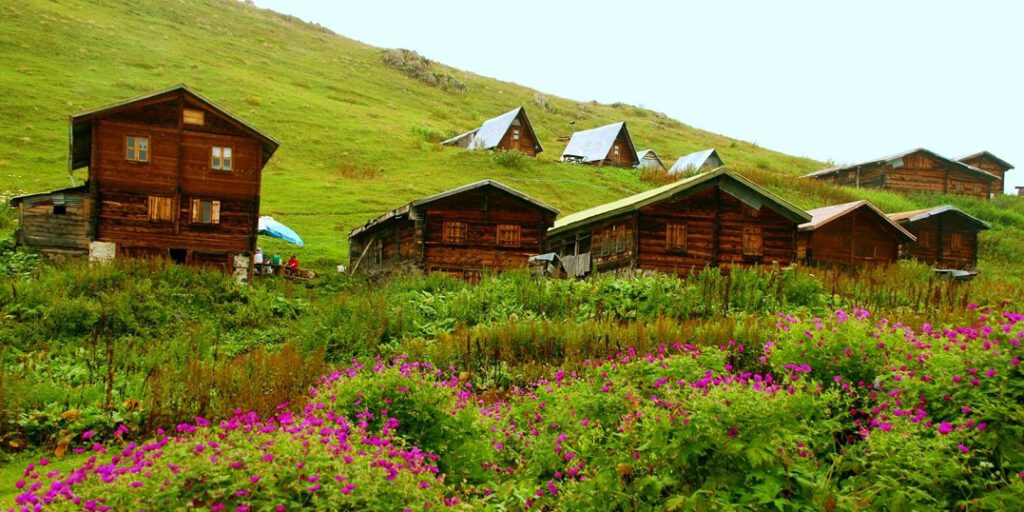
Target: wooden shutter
[
  {"x": 956, "y": 241},
  {"x": 160, "y": 208},
  {"x": 196, "y": 205},
  {"x": 509, "y": 235},
  {"x": 675, "y": 237},
  {"x": 454, "y": 232},
  {"x": 753, "y": 241},
  {"x": 923, "y": 239},
  {"x": 215, "y": 212}
]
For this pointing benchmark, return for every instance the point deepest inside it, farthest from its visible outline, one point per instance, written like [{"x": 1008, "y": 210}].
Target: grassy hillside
[{"x": 356, "y": 135}]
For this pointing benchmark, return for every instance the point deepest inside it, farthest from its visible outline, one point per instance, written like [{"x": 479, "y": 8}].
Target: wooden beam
[{"x": 363, "y": 255}]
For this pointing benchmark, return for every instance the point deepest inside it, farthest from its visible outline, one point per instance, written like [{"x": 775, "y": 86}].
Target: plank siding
[
  {"x": 997, "y": 169},
  {"x": 527, "y": 143},
  {"x": 935, "y": 245},
  {"x": 920, "y": 172},
  {"x": 858, "y": 238},
  {"x": 39, "y": 225}
]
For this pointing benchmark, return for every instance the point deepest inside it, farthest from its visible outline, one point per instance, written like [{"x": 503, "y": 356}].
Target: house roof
[
  {"x": 692, "y": 161},
  {"x": 998, "y": 160},
  {"x": 824, "y": 215},
  {"x": 81, "y": 124},
  {"x": 405, "y": 209},
  {"x": 69, "y": 190},
  {"x": 745, "y": 190},
  {"x": 640, "y": 155},
  {"x": 897, "y": 156},
  {"x": 489, "y": 134},
  {"x": 919, "y": 215},
  {"x": 594, "y": 144}
]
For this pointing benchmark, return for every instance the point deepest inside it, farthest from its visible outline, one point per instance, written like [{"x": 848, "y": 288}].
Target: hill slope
[{"x": 357, "y": 136}]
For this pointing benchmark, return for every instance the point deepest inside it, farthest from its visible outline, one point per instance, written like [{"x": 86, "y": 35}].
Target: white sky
[{"x": 845, "y": 81}]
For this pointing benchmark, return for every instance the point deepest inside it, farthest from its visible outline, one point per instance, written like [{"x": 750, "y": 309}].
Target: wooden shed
[
  {"x": 170, "y": 175},
  {"x": 715, "y": 219},
  {"x": 650, "y": 160},
  {"x": 852, "y": 234},
  {"x": 481, "y": 226},
  {"x": 510, "y": 131},
  {"x": 54, "y": 223},
  {"x": 698, "y": 161},
  {"x": 947, "y": 237},
  {"x": 991, "y": 164},
  {"x": 918, "y": 170},
  {"x": 607, "y": 145}
]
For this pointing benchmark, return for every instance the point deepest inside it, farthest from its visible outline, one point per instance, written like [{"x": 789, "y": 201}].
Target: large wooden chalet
[
  {"x": 481, "y": 226},
  {"x": 947, "y": 237},
  {"x": 606, "y": 145},
  {"x": 991, "y": 164},
  {"x": 170, "y": 175},
  {"x": 918, "y": 170},
  {"x": 852, "y": 234},
  {"x": 716, "y": 219},
  {"x": 510, "y": 131}
]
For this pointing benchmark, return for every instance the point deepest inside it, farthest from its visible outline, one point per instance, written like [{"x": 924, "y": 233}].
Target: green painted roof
[{"x": 759, "y": 196}]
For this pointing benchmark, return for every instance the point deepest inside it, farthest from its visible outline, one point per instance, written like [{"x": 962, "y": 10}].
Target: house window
[
  {"x": 620, "y": 243},
  {"x": 615, "y": 150},
  {"x": 220, "y": 158},
  {"x": 205, "y": 211},
  {"x": 956, "y": 241},
  {"x": 509, "y": 235},
  {"x": 454, "y": 233},
  {"x": 193, "y": 116},
  {"x": 675, "y": 237},
  {"x": 923, "y": 239},
  {"x": 753, "y": 241},
  {"x": 60, "y": 209},
  {"x": 515, "y": 134},
  {"x": 867, "y": 251},
  {"x": 159, "y": 208},
  {"x": 136, "y": 149},
  {"x": 606, "y": 245}
]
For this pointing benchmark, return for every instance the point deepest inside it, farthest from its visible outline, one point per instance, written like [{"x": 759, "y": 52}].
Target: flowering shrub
[{"x": 841, "y": 413}]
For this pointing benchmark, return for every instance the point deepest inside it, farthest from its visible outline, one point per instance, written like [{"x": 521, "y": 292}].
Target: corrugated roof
[
  {"x": 641, "y": 155},
  {"x": 489, "y": 134},
  {"x": 594, "y": 144},
  {"x": 402, "y": 210},
  {"x": 824, "y": 215},
  {"x": 998, "y": 160},
  {"x": 69, "y": 190},
  {"x": 918, "y": 215},
  {"x": 637, "y": 201},
  {"x": 693, "y": 161},
  {"x": 897, "y": 156}
]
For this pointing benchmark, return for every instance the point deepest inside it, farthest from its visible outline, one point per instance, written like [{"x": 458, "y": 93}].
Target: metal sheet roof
[
  {"x": 489, "y": 134},
  {"x": 637, "y": 201},
  {"x": 641, "y": 155},
  {"x": 946, "y": 209},
  {"x": 998, "y": 160},
  {"x": 693, "y": 161},
  {"x": 69, "y": 190},
  {"x": 897, "y": 156},
  {"x": 824, "y": 215},
  {"x": 594, "y": 144}
]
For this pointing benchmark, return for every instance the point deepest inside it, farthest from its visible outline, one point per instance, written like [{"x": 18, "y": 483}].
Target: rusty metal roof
[
  {"x": 824, "y": 215},
  {"x": 919, "y": 215}
]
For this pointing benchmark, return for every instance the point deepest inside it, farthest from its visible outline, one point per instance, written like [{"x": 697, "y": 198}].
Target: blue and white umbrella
[{"x": 270, "y": 227}]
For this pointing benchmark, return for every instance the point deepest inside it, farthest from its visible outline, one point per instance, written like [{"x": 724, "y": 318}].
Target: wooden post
[{"x": 635, "y": 263}]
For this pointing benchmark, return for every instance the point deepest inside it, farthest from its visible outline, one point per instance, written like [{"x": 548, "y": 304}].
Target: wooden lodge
[
  {"x": 482, "y": 226},
  {"x": 170, "y": 175},
  {"x": 650, "y": 160},
  {"x": 947, "y": 237},
  {"x": 698, "y": 161},
  {"x": 715, "y": 219},
  {"x": 918, "y": 171},
  {"x": 607, "y": 145},
  {"x": 991, "y": 164},
  {"x": 852, "y": 234},
  {"x": 510, "y": 131}
]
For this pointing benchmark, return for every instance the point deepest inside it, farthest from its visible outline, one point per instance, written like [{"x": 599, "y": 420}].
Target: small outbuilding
[
  {"x": 991, "y": 164},
  {"x": 946, "y": 237},
  {"x": 650, "y": 160},
  {"x": 607, "y": 145},
  {"x": 54, "y": 223},
  {"x": 481, "y": 226},
  {"x": 852, "y": 234},
  {"x": 510, "y": 131},
  {"x": 699, "y": 161},
  {"x": 915, "y": 171}
]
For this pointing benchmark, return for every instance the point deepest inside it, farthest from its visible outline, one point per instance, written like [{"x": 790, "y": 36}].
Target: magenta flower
[
  {"x": 88, "y": 434},
  {"x": 945, "y": 428},
  {"x": 964, "y": 448}
]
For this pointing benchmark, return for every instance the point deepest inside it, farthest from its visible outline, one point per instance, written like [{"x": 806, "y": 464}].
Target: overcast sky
[{"x": 846, "y": 81}]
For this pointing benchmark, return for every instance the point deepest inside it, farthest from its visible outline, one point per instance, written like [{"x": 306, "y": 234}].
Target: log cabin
[
  {"x": 606, "y": 145},
  {"x": 481, "y": 226},
  {"x": 716, "y": 219},
  {"x": 170, "y": 175},
  {"x": 510, "y": 131},
  {"x": 947, "y": 237},
  {"x": 54, "y": 223},
  {"x": 851, "y": 234},
  {"x": 915, "y": 171},
  {"x": 991, "y": 164},
  {"x": 650, "y": 160},
  {"x": 698, "y": 161}
]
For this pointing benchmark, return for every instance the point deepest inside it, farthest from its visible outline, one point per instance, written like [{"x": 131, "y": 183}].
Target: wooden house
[
  {"x": 991, "y": 164},
  {"x": 650, "y": 160},
  {"x": 918, "y": 170},
  {"x": 947, "y": 237},
  {"x": 852, "y": 234},
  {"x": 698, "y": 161},
  {"x": 54, "y": 223},
  {"x": 170, "y": 175},
  {"x": 606, "y": 145},
  {"x": 481, "y": 226},
  {"x": 715, "y": 219},
  {"x": 510, "y": 131}
]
